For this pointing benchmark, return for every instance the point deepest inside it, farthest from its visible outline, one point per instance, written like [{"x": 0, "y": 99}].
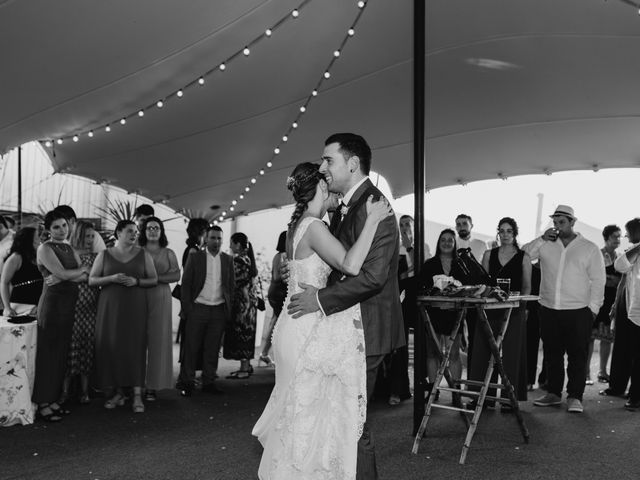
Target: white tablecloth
[{"x": 17, "y": 371}]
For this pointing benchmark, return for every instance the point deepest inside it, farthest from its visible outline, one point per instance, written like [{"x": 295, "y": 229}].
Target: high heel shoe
[{"x": 266, "y": 359}]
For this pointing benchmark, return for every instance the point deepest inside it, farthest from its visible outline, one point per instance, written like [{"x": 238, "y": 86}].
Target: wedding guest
[
  {"x": 81, "y": 352},
  {"x": 123, "y": 272},
  {"x": 571, "y": 294},
  {"x": 602, "y": 323},
  {"x": 276, "y": 295},
  {"x": 628, "y": 264},
  {"x": 240, "y": 335},
  {"x": 21, "y": 281},
  {"x": 533, "y": 333},
  {"x": 442, "y": 263},
  {"x": 506, "y": 261},
  {"x": 141, "y": 213},
  {"x": 70, "y": 215},
  {"x": 159, "y": 346},
  {"x": 399, "y": 366},
  {"x": 57, "y": 259}
]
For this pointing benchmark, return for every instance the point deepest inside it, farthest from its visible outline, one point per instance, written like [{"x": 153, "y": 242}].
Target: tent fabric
[{"x": 513, "y": 88}]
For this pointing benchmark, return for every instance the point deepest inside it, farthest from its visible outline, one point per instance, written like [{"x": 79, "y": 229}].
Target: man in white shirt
[
  {"x": 571, "y": 294},
  {"x": 464, "y": 225},
  {"x": 206, "y": 295},
  {"x": 629, "y": 264}
]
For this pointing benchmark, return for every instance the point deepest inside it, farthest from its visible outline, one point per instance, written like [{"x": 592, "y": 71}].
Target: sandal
[
  {"x": 58, "y": 409},
  {"x": 238, "y": 375},
  {"x": 51, "y": 416},
  {"x": 137, "y": 406},
  {"x": 116, "y": 401}
]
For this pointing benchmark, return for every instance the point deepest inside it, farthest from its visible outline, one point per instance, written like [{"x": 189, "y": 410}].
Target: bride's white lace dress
[{"x": 312, "y": 423}]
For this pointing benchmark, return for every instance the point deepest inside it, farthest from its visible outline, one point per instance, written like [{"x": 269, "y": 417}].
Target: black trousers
[
  {"x": 634, "y": 389},
  {"x": 620, "y": 370},
  {"x": 566, "y": 332}
]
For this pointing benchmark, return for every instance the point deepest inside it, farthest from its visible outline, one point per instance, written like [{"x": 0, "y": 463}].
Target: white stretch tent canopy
[{"x": 514, "y": 87}]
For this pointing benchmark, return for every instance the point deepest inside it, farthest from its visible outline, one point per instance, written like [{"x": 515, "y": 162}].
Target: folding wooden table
[{"x": 461, "y": 305}]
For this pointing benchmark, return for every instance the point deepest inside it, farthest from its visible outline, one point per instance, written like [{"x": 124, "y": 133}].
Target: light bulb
[
  {"x": 253, "y": 180},
  {"x": 201, "y": 80},
  {"x": 47, "y": 143},
  {"x": 180, "y": 93},
  {"x": 276, "y": 150},
  {"x": 261, "y": 171},
  {"x": 336, "y": 53},
  {"x": 107, "y": 128},
  {"x": 294, "y": 124},
  {"x": 246, "y": 189},
  {"x": 75, "y": 138},
  {"x": 351, "y": 32},
  {"x": 90, "y": 134},
  {"x": 314, "y": 93},
  {"x": 220, "y": 218},
  {"x": 295, "y": 13},
  {"x": 234, "y": 202},
  {"x": 224, "y": 214},
  {"x": 327, "y": 74},
  {"x": 241, "y": 196},
  {"x": 246, "y": 51},
  {"x": 268, "y": 32},
  {"x": 222, "y": 66},
  {"x": 59, "y": 141},
  {"x": 141, "y": 113},
  {"x": 269, "y": 164},
  {"x": 285, "y": 138},
  {"x": 123, "y": 121},
  {"x": 360, "y": 4},
  {"x": 160, "y": 104},
  {"x": 303, "y": 109},
  {"x": 231, "y": 209}
]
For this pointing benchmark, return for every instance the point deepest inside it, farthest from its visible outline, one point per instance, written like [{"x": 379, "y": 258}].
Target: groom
[{"x": 346, "y": 162}]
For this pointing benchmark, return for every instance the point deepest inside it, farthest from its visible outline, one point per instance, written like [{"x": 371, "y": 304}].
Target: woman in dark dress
[
  {"x": 61, "y": 267},
  {"x": 442, "y": 263},
  {"x": 123, "y": 272},
  {"x": 276, "y": 295},
  {"x": 240, "y": 335},
  {"x": 506, "y": 261},
  {"x": 602, "y": 323},
  {"x": 21, "y": 282}
]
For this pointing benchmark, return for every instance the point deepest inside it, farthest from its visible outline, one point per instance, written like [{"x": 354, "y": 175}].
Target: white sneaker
[
  {"x": 574, "y": 405},
  {"x": 548, "y": 400}
]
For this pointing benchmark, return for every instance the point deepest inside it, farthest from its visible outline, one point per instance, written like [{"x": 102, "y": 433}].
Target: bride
[{"x": 314, "y": 417}]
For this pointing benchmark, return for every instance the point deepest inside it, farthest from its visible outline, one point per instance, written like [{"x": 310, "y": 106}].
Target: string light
[
  {"x": 90, "y": 134},
  {"x": 75, "y": 138},
  {"x": 314, "y": 93},
  {"x": 266, "y": 33},
  {"x": 47, "y": 143},
  {"x": 59, "y": 141}
]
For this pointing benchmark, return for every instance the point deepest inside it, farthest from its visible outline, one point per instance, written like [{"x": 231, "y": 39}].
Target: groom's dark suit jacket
[{"x": 376, "y": 286}]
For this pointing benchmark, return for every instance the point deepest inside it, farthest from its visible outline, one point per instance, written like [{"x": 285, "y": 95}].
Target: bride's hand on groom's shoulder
[
  {"x": 304, "y": 302},
  {"x": 378, "y": 210}
]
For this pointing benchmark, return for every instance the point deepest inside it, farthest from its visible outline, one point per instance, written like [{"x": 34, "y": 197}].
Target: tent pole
[
  {"x": 419, "y": 69},
  {"x": 20, "y": 186}
]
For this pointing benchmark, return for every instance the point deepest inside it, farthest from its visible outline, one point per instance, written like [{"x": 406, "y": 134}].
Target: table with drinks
[{"x": 17, "y": 371}]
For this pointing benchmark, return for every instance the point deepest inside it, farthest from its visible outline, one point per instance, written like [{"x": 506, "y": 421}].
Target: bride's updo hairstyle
[{"x": 303, "y": 182}]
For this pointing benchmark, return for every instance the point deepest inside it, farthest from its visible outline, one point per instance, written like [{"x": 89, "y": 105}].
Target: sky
[{"x": 598, "y": 198}]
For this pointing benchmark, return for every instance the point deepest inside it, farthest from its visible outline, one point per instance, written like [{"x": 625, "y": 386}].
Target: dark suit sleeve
[
  {"x": 373, "y": 274},
  {"x": 186, "y": 291}
]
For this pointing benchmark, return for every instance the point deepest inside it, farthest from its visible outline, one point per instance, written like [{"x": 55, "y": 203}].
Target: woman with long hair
[
  {"x": 444, "y": 262},
  {"x": 315, "y": 415},
  {"x": 240, "y": 335},
  {"x": 507, "y": 261},
  {"x": 124, "y": 272},
  {"x": 276, "y": 295},
  {"x": 159, "y": 347},
  {"x": 21, "y": 281},
  {"x": 82, "y": 350},
  {"x": 62, "y": 268}
]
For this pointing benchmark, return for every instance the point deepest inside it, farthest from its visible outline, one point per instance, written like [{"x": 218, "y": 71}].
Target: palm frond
[{"x": 117, "y": 210}]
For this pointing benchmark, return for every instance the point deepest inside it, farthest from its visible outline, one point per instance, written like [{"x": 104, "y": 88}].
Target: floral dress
[{"x": 240, "y": 335}]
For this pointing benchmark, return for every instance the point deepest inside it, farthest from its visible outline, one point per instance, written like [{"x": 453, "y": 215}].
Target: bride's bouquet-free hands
[{"x": 378, "y": 210}]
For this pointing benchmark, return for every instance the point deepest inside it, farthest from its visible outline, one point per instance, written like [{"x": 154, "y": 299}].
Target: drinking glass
[{"x": 504, "y": 284}]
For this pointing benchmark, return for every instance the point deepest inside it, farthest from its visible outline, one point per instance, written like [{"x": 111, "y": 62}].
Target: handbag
[
  {"x": 177, "y": 290},
  {"x": 260, "y": 305}
]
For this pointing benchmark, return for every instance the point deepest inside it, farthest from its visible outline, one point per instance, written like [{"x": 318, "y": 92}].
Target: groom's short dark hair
[{"x": 353, "y": 145}]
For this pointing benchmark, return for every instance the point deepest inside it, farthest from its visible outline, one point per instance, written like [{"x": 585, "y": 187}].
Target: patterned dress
[
  {"x": 240, "y": 335},
  {"x": 81, "y": 352}
]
